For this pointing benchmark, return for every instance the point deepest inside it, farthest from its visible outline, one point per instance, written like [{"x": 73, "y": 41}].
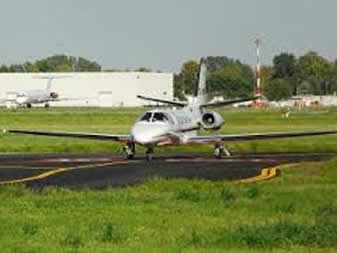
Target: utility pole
[{"x": 258, "y": 89}]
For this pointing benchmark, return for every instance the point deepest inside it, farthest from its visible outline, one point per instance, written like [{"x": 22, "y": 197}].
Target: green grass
[
  {"x": 119, "y": 121},
  {"x": 296, "y": 212}
]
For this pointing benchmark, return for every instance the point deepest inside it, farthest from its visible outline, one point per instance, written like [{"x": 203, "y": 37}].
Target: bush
[
  {"x": 189, "y": 195},
  {"x": 29, "y": 229},
  {"x": 113, "y": 233}
]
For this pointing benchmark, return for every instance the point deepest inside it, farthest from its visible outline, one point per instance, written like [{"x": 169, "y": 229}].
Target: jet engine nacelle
[
  {"x": 212, "y": 121},
  {"x": 54, "y": 95}
]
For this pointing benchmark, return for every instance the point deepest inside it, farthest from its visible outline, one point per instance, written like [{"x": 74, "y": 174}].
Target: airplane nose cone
[
  {"x": 21, "y": 100},
  {"x": 148, "y": 133}
]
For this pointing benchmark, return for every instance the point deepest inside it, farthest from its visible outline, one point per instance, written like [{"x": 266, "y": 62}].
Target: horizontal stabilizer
[{"x": 175, "y": 103}]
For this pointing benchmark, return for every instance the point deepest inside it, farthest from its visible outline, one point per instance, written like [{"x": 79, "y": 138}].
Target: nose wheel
[
  {"x": 129, "y": 151},
  {"x": 149, "y": 154},
  {"x": 219, "y": 150}
]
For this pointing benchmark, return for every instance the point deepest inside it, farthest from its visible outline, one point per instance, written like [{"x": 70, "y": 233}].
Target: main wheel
[
  {"x": 218, "y": 151},
  {"x": 46, "y": 105},
  {"x": 29, "y": 105},
  {"x": 149, "y": 154}
]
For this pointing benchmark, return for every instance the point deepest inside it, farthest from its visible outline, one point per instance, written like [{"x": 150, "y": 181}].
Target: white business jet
[
  {"x": 179, "y": 126},
  {"x": 29, "y": 97}
]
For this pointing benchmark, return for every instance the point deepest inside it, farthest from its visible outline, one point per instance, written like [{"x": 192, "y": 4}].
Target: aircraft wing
[
  {"x": 94, "y": 136},
  {"x": 229, "y": 102},
  {"x": 253, "y": 136},
  {"x": 175, "y": 103}
]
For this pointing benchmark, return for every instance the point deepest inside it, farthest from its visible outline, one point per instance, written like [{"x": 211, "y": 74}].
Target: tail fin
[
  {"x": 200, "y": 92},
  {"x": 48, "y": 88},
  {"x": 50, "y": 79}
]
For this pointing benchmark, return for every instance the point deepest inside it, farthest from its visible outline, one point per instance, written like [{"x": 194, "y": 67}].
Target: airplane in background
[
  {"x": 158, "y": 128},
  {"x": 29, "y": 97}
]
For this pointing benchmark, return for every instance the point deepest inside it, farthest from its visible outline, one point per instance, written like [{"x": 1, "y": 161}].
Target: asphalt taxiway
[{"x": 109, "y": 170}]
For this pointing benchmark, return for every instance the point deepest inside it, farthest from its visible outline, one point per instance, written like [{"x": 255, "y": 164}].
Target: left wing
[
  {"x": 175, "y": 103},
  {"x": 94, "y": 136},
  {"x": 253, "y": 136}
]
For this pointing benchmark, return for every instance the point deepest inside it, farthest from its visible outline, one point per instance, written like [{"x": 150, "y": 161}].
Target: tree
[
  {"x": 278, "y": 89},
  {"x": 284, "y": 65},
  {"x": 178, "y": 87},
  {"x": 285, "y": 68},
  {"x": 143, "y": 69},
  {"x": 312, "y": 64},
  {"x": 4, "y": 69},
  {"x": 235, "y": 80},
  {"x": 189, "y": 74}
]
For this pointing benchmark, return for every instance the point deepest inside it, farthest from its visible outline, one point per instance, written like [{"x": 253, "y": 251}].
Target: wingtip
[{"x": 4, "y": 131}]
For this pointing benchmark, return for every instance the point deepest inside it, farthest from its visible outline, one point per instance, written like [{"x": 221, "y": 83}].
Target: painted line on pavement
[
  {"x": 57, "y": 171},
  {"x": 266, "y": 174}
]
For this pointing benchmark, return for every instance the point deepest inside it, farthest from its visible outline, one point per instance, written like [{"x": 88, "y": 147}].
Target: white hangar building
[{"x": 93, "y": 89}]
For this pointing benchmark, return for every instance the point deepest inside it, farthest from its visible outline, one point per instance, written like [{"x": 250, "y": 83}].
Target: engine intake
[
  {"x": 54, "y": 95},
  {"x": 212, "y": 121}
]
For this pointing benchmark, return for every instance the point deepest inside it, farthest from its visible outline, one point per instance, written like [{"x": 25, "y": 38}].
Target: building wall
[{"x": 96, "y": 89}]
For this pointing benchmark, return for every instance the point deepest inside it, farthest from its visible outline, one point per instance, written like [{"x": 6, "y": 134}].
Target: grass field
[
  {"x": 119, "y": 121},
  {"x": 296, "y": 212}
]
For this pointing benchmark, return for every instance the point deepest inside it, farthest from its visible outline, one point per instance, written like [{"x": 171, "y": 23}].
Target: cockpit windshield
[
  {"x": 147, "y": 117},
  {"x": 159, "y": 116},
  {"x": 155, "y": 117}
]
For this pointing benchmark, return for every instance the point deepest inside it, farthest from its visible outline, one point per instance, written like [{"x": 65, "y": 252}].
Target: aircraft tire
[{"x": 218, "y": 151}]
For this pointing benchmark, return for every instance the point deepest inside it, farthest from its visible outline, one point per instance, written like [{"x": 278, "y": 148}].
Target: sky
[{"x": 162, "y": 34}]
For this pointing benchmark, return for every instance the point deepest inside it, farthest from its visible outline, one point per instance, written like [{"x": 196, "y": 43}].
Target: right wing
[{"x": 94, "y": 136}]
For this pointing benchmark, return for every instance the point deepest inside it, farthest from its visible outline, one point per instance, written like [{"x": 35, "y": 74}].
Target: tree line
[
  {"x": 226, "y": 77},
  {"x": 56, "y": 63},
  {"x": 288, "y": 76}
]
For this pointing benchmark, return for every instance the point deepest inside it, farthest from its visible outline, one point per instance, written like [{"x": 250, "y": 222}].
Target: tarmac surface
[{"x": 100, "y": 171}]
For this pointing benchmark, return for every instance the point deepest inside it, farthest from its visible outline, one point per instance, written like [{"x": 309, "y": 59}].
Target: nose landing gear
[{"x": 219, "y": 150}]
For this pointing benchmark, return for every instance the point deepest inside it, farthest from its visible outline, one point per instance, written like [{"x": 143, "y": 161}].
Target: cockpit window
[
  {"x": 159, "y": 116},
  {"x": 146, "y": 117},
  {"x": 155, "y": 117}
]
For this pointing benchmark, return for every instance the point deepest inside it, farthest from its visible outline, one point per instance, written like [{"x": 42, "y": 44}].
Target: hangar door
[{"x": 105, "y": 99}]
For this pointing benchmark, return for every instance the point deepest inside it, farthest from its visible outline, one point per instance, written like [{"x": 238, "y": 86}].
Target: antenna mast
[{"x": 258, "y": 89}]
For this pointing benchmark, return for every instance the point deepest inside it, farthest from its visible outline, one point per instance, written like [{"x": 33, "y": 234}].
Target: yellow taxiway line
[
  {"x": 266, "y": 174},
  {"x": 54, "y": 172}
]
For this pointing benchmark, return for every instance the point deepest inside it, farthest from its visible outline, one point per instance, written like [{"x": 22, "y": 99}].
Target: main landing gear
[
  {"x": 129, "y": 150},
  {"x": 149, "y": 154},
  {"x": 219, "y": 150}
]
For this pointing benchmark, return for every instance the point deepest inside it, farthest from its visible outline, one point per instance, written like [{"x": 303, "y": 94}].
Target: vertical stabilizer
[
  {"x": 201, "y": 97},
  {"x": 50, "y": 79}
]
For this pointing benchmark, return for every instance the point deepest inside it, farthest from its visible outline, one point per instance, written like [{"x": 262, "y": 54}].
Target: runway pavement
[{"x": 109, "y": 170}]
